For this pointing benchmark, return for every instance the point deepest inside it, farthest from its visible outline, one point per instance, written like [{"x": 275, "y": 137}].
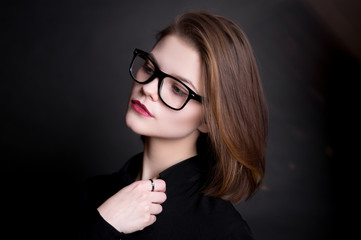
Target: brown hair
[{"x": 234, "y": 105}]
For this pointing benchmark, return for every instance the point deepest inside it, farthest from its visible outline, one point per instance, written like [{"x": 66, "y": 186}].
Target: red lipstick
[{"x": 140, "y": 108}]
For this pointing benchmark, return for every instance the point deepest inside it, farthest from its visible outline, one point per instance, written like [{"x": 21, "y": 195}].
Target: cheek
[
  {"x": 182, "y": 123},
  {"x": 168, "y": 123}
]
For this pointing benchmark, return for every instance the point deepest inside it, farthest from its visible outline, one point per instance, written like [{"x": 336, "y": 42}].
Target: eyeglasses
[{"x": 174, "y": 93}]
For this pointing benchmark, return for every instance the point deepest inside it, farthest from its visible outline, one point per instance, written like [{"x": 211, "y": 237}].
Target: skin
[{"x": 170, "y": 137}]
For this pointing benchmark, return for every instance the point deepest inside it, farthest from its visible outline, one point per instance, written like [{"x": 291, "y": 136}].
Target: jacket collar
[{"x": 177, "y": 177}]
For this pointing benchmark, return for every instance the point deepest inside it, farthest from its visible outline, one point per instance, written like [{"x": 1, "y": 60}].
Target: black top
[{"x": 187, "y": 213}]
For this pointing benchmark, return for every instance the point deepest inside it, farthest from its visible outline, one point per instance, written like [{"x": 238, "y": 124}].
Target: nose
[{"x": 151, "y": 90}]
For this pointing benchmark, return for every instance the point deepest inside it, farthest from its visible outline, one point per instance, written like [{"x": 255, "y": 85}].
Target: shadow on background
[{"x": 65, "y": 84}]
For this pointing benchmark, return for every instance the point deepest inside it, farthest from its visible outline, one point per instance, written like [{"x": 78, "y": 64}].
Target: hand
[{"x": 134, "y": 207}]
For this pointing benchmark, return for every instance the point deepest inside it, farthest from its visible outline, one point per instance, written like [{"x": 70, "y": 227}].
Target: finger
[
  {"x": 157, "y": 197},
  {"x": 156, "y": 209},
  {"x": 152, "y": 219},
  {"x": 149, "y": 219},
  {"x": 157, "y": 185}
]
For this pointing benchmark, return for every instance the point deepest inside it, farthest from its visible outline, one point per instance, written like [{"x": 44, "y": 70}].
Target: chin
[
  {"x": 136, "y": 130},
  {"x": 133, "y": 126}
]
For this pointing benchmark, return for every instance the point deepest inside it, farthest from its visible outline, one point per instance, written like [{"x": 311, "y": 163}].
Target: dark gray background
[{"x": 65, "y": 84}]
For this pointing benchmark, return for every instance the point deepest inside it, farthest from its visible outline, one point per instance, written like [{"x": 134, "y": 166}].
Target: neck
[{"x": 160, "y": 153}]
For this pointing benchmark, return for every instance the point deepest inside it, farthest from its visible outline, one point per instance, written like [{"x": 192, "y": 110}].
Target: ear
[{"x": 203, "y": 127}]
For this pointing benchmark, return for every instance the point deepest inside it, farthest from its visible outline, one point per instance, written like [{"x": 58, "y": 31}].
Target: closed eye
[
  {"x": 179, "y": 90},
  {"x": 148, "y": 68}
]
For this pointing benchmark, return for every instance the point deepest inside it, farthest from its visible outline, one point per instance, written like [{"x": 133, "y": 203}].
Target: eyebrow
[{"x": 184, "y": 80}]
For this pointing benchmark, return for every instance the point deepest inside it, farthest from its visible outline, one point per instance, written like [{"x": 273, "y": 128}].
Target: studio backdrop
[{"x": 65, "y": 85}]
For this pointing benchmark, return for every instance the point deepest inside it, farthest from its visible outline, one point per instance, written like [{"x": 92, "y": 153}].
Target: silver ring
[{"x": 153, "y": 186}]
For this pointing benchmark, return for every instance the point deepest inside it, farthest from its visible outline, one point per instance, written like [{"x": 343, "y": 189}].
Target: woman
[{"x": 198, "y": 103}]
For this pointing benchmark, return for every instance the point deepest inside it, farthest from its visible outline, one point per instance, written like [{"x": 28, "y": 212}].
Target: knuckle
[
  {"x": 139, "y": 185},
  {"x": 147, "y": 219},
  {"x": 135, "y": 186},
  {"x": 144, "y": 196},
  {"x": 147, "y": 208}
]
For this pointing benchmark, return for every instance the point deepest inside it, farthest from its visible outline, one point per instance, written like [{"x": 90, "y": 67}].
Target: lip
[{"x": 141, "y": 108}]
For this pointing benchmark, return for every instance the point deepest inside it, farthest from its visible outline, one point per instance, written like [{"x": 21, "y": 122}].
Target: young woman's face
[{"x": 179, "y": 59}]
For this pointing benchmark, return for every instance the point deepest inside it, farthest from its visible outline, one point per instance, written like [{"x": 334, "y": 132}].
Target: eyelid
[{"x": 187, "y": 82}]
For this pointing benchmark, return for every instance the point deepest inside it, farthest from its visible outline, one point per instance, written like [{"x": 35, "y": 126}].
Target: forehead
[{"x": 178, "y": 58}]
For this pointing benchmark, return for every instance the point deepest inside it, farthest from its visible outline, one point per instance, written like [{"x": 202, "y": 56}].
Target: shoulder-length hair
[{"x": 234, "y": 104}]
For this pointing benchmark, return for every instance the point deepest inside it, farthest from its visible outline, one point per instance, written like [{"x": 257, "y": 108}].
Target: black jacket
[{"x": 187, "y": 213}]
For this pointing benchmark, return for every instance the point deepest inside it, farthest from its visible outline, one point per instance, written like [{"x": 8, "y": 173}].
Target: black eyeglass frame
[{"x": 161, "y": 75}]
